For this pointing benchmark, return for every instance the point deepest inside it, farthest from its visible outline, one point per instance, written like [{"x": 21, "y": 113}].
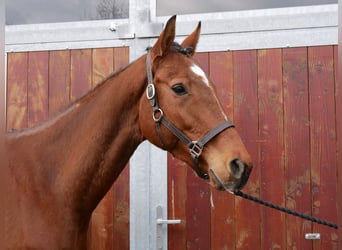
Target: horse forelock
[
  {"x": 183, "y": 50},
  {"x": 187, "y": 51}
]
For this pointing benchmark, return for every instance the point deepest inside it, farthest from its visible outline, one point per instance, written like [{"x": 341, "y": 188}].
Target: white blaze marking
[{"x": 198, "y": 71}]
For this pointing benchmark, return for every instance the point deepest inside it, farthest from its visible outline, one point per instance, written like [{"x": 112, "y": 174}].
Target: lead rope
[
  {"x": 286, "y": 210},
  {"x": 271, "y": 205}
]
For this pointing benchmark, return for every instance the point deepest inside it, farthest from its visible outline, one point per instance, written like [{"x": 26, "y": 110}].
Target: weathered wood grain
[
  {"x": 38, "y": 87},
  {"x": 223, "y": 203},
  {"x": 271, "y": 119},
  {"x": 59, "y": 81},
  {"x": 17, "y": 115},
  {"x": 297, "y": 145},
  {"x": 248, "y": 229},
  {"x": 323, "y": 142}
]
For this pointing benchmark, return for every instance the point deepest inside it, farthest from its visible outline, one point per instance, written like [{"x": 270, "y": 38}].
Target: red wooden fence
[{"x": 283, "y": 104}]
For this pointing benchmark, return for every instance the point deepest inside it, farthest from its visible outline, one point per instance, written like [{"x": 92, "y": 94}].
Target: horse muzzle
[{"x": 239, "y": 173}]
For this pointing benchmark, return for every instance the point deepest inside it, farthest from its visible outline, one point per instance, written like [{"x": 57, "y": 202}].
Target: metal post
[{"x": 148, "y": 165}]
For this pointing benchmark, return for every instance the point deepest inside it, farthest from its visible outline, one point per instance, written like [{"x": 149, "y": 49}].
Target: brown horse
[{"x": 60, "y": 170}]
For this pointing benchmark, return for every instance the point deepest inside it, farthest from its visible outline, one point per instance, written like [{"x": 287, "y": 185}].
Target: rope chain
[{"x": 286, "y": 210}]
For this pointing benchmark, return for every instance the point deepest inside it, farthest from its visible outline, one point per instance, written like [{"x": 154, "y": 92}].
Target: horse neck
[
  {"x": 84, "y": 149},
  {"x": 107, "y": 133}
]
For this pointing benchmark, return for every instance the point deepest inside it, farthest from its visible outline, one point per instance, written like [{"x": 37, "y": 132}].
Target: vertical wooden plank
[
  {"x": 102, "y": 224},
  {"x": 177, "y": 203},
  {"x": 338, "y": 105},
  {"x": 121, "y": 57},
  {"x": 101, "y": 228},
  {"x": 270, "y": 96},
  {"x": 81, "y": 73},
  {"x": 222, "y": 75},
  {"x": 4, "y": 171},
  {"x": 246, "y": 120},
  {"x": 338, "y": 127},
  {"x": 222, "y": 212},
  {"x": 59, "y": 81},
  {"x": 198, "y": 206},
  {"x": 338, "y": 124},
  {"x": 297, "y": 146},
  {"x": 323, "y": 142},
  {"x": 120, "y": 236},
  {"x": 102, "y": 64},
  {"x": 336, "y": 78},
  {"x": 38, "y": 87},
  {"x": 197, "y": 213},
  {"x": 17, "y": 91}
]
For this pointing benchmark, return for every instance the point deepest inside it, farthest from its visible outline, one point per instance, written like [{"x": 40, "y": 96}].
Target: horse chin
[{"x": 229, "y": 186}]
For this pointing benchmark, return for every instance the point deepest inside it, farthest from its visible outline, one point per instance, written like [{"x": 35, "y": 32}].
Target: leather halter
[{"x": 195, "y": 147}]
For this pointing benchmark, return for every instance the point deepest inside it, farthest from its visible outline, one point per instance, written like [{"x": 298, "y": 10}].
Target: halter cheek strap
[{"x": 195, "y": 147}]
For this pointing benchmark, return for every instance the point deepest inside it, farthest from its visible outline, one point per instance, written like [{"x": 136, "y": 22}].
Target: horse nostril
[{"x": 237, "y": 168}]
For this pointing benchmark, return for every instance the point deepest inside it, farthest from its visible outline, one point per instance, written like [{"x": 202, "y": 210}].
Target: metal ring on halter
[{"x": 157, "y": 114}]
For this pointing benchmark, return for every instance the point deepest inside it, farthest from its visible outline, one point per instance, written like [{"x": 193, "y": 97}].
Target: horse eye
[{"x": 179, "y": 89}]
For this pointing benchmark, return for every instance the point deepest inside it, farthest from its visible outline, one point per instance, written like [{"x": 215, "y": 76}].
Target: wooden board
[
  {"x": 271, "y": 138},
  {"x": 177, "y": 203},
  {"x": 81, "y": 73},
  {"x": 246, "y": 120},
  {"x": 17, "y": 115},
  {"x": 338, "y": 105},
  {"x": 38, "y": 87},
  {"x": 103, "y": 61},
  {"x": 59, "y": 81},
  {"x": 121, "y": 57},
  {"x": 338, "y": 96},
  {"x": 223, "y": 203},
  {"x": 297, "y": 145},
  {"x": 323, "y": 142},
  {"x": 120, "y": 236}
]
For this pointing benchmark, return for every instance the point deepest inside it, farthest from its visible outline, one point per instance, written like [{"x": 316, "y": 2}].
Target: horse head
[{"x": 181, "y": 113}]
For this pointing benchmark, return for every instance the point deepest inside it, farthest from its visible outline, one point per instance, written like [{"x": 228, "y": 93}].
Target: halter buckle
[
  {"x": 150, "y": 91},
  {"x": 195, "y": 149}
]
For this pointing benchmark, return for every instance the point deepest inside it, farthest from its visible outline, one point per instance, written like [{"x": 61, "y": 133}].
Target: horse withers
[{"x": 60, "y": 170}]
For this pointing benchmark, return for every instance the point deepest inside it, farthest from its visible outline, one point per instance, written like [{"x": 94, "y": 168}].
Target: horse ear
[
  {"x": 192, "y": 40},
  {"x": 165, "y": 40}
]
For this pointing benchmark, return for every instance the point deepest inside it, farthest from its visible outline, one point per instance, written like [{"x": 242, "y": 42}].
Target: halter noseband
[{"x": 195, "y": 147}]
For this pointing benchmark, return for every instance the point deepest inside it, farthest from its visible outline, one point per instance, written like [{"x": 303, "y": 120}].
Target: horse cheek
[{"x": 146, "y": 122}]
